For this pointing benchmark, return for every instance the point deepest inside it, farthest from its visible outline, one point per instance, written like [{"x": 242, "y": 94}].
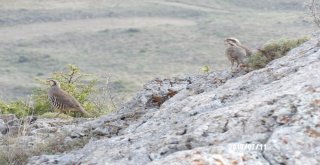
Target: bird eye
[{"x": 51, "y": 83}]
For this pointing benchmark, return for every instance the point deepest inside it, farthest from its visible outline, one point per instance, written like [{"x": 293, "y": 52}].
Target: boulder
[{"x": 3, "y": 127}]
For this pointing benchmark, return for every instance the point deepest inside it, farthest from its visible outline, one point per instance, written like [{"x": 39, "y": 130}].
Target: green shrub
[
  {"x": 205, "y": 69},
  {"x": 19, "y": 108},
  {"x": 273, "y": 50},
  {"x": 80, "y": 85},
  {"x": 84, "y": 87}
]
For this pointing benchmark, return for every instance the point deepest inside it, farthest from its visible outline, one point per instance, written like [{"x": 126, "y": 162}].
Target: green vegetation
[
  {"x": 71, "y": 82},
  {"x": 205, "y": 69},
  {"x": 19, "y": 108},
  {"x": 84, "y": 87},
  {"x": 273, "y": 50}
]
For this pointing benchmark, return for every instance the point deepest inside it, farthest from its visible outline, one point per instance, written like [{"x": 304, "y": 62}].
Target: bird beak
[{"x": 48, "y": 81}]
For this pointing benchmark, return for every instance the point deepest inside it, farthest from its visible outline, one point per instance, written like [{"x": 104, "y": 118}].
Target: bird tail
[{"x": 84, "y": 111}]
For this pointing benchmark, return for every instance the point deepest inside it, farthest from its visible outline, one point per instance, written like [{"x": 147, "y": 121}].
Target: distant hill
[{"x": 269, "y": 4}]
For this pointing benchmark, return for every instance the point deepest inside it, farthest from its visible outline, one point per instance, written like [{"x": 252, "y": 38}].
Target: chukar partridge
[
  {"x": 61, "y": 100},
  {"x": 234, "y": 53}
]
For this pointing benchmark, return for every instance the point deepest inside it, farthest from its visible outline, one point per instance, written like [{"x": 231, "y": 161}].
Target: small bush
[
  {"x": 84, "y": 87},
  {"x": 19, "y": 108},
  {"x": 273, "y": 50},
  {"x": 80, "y": 85},
  {"x": 257, "y": 61}
]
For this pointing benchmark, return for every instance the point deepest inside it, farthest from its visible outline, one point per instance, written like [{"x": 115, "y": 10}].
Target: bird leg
[
  {"x": 237, "y": 66},
  {"x": 76, "y": 114},
  {"x": 232, "y": 63}
]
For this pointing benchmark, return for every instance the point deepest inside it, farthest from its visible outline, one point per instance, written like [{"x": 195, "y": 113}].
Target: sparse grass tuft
[
  {"x": 273, "y": 50},
  {"x": 14, "y": 153}
]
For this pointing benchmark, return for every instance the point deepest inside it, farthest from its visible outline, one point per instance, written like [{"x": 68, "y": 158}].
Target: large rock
[
  {"x": 200, "y": 119},
  {"x": 8, "y": 117},
  {"x": 3, "y": 128}
]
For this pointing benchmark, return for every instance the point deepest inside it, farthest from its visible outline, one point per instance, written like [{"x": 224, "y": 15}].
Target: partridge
[
  {"x": 61, "y": 100},
  {"x": 235, "y": 53}
]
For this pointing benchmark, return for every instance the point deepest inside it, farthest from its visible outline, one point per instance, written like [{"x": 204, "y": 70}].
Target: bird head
[
  {"x": 233, "y": 40},
  {"x": 53, "y": 83},
  {"x": 229, "y": 43}
]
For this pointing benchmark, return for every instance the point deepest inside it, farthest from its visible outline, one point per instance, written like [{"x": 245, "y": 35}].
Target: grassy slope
[{"x": 133, "y": 55}]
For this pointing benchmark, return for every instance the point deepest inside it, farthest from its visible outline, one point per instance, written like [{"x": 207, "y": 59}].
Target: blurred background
[{"x": 133, "y": 41}]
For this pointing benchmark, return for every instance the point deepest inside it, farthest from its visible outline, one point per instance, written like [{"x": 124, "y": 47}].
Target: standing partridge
[
  {"x": 238, "y": 43},
  {"x": 61, "y": 100},
  {"x": 235, "y": 53}
]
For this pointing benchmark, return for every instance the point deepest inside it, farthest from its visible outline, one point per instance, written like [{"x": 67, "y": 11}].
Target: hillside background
[{"x": 133, "y": 41}]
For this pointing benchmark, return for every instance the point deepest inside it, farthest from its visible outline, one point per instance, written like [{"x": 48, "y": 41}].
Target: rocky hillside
[{"x": 267, "y": 116}]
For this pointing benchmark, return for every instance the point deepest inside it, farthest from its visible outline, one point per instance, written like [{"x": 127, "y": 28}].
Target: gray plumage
[
  {"x": 235, "y": 54},
  {"x": 61, "y": 100},
  {"x": 238, "y": 43}
]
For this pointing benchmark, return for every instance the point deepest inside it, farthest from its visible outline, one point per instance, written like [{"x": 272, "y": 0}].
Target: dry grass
[
  {"x": 15, "y": 151},
  {"x": 14, "y": 154}
]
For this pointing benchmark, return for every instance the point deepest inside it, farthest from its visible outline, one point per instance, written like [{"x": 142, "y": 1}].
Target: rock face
[
  {"x": 3, "y": 127},
  {"x": 267, "y": 116}
]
